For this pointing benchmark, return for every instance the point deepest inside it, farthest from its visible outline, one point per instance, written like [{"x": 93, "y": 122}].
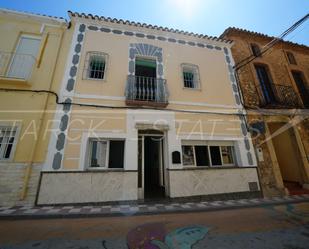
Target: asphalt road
[{"x": 283, "y": 226}]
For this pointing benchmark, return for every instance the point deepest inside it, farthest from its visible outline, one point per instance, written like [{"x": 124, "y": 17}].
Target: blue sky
[{"x": 209, "y": 17}]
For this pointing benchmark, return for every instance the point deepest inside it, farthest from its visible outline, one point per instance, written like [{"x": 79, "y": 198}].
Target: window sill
[
  {"x": 14, "y": 81},
  {"x": 8, "y": 160},
  {"x": 106, "y": 170},
  {"x": 192, "y": 89},
  {"x": 94, "y": 79},
  {"x": 210, "y": 167}
]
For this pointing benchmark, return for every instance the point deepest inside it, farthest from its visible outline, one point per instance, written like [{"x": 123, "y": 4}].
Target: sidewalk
[{"x": 41, "y": 212}]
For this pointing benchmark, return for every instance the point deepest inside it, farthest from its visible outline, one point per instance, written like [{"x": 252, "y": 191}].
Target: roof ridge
[
  {"x": 261, "y": 35},
  {"x": 145, "y": 25},
  {"x": 32, "y": 13}
]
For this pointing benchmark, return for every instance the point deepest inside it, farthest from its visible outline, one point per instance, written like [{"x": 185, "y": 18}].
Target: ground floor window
[
  {"x": 106, "y": 153},
  {"x": 7, "y": 140},
  {"x": 203, "y": 154}
]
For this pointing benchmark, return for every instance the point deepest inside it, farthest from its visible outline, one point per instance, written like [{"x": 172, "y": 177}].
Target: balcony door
[
  {"x": 24, "y": 57},
  {"x": 302, "y": 86},
  {"x": 265, "y": 84},
  {"x": 145, "y": 79}
]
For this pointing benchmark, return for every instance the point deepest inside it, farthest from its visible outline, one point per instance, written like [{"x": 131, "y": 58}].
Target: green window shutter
[{"x": 146, "y": 63}]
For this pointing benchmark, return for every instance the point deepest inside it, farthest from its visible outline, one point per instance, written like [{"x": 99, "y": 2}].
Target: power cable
[
  {"x": 115, "y": 107},
  {"x": 273, "y": 42}
]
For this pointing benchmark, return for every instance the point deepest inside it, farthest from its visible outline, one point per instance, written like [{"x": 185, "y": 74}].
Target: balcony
[
  {"x": 146, "y": 91},
  {"x": 15, "y": 66},
  {"x": 279, "y": 96}
]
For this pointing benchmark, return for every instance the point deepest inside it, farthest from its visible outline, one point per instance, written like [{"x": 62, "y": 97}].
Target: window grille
[
  {"x": 7, "y": 138},
  {"x": 190, "y": 75},
  {"x": 95, "y": 66}
]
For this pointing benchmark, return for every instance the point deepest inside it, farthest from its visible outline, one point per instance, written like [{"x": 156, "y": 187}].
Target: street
[{"x": 283, "y": 226}]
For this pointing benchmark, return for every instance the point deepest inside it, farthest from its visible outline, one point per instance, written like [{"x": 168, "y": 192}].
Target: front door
[
  {"x": 153, "y": 168},
  {"x": 151, "y": 181}
]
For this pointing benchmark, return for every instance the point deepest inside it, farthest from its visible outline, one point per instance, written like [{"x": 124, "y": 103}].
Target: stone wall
[
  {"x": 11, "y": 184},
  {"x": 87, "y": 187},
  {"x": 196, "y": 182},
  {"x": 280, "y": 71}
]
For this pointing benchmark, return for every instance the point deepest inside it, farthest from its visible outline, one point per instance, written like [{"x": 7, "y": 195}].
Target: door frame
[
  {"x": 275, "y": 164},
  {"x": 163, "y": 159}
]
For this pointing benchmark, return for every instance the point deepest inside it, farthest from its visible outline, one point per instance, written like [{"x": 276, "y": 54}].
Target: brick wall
[{"x": 11, "y": 184}]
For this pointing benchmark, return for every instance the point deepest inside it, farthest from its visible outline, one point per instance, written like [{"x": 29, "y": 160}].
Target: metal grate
[
  {"x": 190, "y": 76},
  {"x": 7, "y": 137},
  {"x": 95, "y": 65}
]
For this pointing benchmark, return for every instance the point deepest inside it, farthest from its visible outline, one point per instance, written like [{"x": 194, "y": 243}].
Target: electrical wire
[
  {"x": 272, "y": 43},
  {"x": 116, "y": 107}
]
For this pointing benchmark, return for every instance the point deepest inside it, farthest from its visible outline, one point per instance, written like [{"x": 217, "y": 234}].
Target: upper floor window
[
  {"x": 7, "y": 141},
  {"x": 21, "y": 62},
  {"x": 106, "y": 153},
  {"x": 190, "y": 74},
  {"x": 255, "y": 50},
  {"x": 95, "y": 66},
  {"x": 291, "y": 58}
]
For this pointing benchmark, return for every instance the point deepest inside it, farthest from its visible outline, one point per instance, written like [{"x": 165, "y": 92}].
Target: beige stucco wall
[
  {"x": 211, "y": 181},
  {"x": 208, "y": 123},
  {"x": 81, "y": 187},
  {"x": 214, "y": 80}
]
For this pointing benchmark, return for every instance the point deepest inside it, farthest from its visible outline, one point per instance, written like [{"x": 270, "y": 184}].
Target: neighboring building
[
  {"x": 29, "y": 52},
  {"x": 151, "y": 112},
  {"x": 275, "y": 88}
]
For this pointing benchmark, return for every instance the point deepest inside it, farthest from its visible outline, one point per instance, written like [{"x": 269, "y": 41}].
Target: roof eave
[{"x": 73, "y": 15}]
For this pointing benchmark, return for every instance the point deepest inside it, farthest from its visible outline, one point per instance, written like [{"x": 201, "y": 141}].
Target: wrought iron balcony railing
[
  {"x": 142, "y": 90},
  {"x": 280, "y": 96},
  {"x": 15, "y": 65}
]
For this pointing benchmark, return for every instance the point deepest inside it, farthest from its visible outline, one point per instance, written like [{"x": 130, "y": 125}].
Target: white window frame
[
  {"x": 196, "y": 75},
  {"x": 107, "y": 140},
  {"x": 87, "y": 65},
  {"x": 208, "y": 144},
  {"x": 16, "y": 138},
  {"x": 37, "y": 37}
]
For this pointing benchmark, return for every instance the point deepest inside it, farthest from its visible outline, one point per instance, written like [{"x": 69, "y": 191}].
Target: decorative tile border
[
  {"x": 69, "y": 87},
  {"x": 243, "y": 127},
  {"x": 22, "y": 212},
  {"x": 152, "y": 37}
]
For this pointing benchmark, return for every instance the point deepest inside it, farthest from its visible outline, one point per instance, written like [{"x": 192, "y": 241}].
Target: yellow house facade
[
  {"x": 149, "y": 112},
  {"x": 30, "y": 49}
]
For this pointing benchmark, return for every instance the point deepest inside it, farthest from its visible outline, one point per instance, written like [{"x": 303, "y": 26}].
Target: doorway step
[{"x": 295, "y": 188}]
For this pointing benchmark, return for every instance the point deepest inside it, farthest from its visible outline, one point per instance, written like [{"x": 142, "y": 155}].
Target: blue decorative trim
[
  {"x": 69, "y": 87},
  {"x": 152, "y": 37}
]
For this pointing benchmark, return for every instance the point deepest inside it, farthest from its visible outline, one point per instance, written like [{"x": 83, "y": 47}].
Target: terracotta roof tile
[
  {"x": 234, "y": 29},
  {"x": 144, "y": 25}
]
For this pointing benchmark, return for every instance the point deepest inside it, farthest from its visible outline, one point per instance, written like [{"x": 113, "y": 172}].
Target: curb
[{"x": 56, "y": 212}]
